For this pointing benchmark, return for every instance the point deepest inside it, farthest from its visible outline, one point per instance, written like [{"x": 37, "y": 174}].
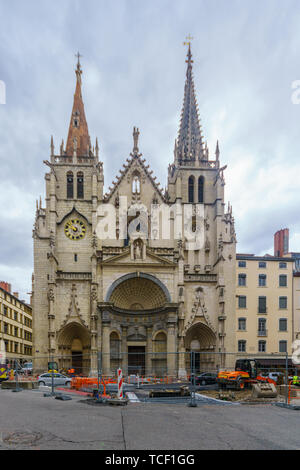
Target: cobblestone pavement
[{"x": 28, "y": 420}]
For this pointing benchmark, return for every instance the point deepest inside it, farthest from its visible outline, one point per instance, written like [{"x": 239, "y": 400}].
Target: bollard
[{"x": 120, "y": 384}]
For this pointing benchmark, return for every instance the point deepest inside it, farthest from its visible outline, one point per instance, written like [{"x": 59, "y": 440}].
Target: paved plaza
[{"x": 28, "y": 420}]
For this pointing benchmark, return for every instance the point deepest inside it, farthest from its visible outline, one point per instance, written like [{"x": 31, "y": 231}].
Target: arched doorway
[
  {"x": 202, "y": 340},
  {"x": 138, "y": 292},
  {"x": 137, "y": 308},
  {"x": 74, "y": 347}
]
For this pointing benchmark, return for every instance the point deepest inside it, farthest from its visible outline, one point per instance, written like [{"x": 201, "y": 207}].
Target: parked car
[
  {"x": 27, "y": 368},
  {"x": 58, "y": 379},
  {"x": 274, "y": 376},
  {"x": 206, "y": 378}
]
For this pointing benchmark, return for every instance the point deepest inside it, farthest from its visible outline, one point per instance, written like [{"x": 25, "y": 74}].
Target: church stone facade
[{"x": 107, "y": 279}]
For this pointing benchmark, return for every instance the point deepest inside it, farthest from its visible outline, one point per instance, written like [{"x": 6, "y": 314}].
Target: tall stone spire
[
  {"x": 189, "y": 141},
  {"x": 78, "y": 136}
]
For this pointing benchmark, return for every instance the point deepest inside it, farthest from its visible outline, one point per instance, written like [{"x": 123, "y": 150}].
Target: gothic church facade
[{"x": 136, "y": 295}]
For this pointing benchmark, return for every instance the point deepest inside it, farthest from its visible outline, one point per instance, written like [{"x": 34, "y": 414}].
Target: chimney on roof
[
  {"x": 281, "y": 242},
  {"x": 6, "y": 286}
]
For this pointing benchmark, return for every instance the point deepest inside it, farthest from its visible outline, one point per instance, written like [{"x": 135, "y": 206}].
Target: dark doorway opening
[
  {"x": 77, "y": 362},
  {"x": 136, "y": 360}
]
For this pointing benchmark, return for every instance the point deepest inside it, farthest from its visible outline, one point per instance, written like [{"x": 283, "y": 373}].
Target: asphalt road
[{"x": 28, "y": 420}]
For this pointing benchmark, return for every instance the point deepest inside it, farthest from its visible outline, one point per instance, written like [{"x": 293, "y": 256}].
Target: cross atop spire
[
  {"x": 78, "y": 70},
  {"x": 189, "y": 142}
]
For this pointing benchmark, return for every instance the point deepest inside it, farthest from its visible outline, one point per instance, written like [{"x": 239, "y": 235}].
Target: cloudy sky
[{"x": 246, "y": 58}]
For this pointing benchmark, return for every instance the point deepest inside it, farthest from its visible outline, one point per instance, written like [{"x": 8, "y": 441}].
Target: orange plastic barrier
[
  {"x": 82, "y": 382},
  {"x": 290, "y": 390}
]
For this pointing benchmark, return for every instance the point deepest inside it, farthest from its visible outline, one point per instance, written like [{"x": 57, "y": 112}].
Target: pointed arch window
[
  {"x": 80, "y": 182},
  {"x": 201, "y": 189},
  {"x": 191, "y": 188},
  {"x": 70, "y": 185},
  {"x": 136, "y": 183}
]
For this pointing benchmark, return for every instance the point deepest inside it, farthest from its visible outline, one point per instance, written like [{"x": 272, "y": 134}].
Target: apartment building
[
  {"x": 15, "y": 325},
  {"x": 264, "y": 305}
]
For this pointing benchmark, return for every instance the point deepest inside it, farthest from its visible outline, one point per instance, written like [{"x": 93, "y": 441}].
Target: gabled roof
[{"x": 135, "y": 157}]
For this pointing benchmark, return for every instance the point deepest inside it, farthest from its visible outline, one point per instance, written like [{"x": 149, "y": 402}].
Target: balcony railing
[{"x": 262, "y": 333}]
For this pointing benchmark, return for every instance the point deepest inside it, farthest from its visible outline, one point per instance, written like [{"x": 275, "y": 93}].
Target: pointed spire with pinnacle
[
  {"x": 189, "y": 141},
  {"x": 135, "y": 134},
  {"x": 78, "y": 136}
]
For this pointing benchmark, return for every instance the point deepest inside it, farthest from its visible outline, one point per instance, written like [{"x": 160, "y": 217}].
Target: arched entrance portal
[
  {"x": 137, "y": 324},
  {"x": 138, "y": 292},
  {"x": 202, "y": 340},
  {"x": 74, "y": 348}
]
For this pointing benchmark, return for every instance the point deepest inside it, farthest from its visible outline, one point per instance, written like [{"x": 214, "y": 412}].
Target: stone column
[
  {"x": 149, "y": 350},
  {"x": 124, "y": 351},
  {"x": 181, "y": 348},
  {"x": 171, "y": 345},
  {"x": 181, "y": 360},
  {"x": 106, "y": 344},
  {"x": 93, "y": 359},
  {"x": 51, "y": 319}
]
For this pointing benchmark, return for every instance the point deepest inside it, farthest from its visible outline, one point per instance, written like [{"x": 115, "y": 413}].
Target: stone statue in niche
[
  {"x": 200, "y": 297},
  {"x": 137, "y": 250}
]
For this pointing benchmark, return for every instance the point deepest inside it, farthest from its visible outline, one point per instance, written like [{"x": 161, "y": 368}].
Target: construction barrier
[{"x": 293, "y": 392}]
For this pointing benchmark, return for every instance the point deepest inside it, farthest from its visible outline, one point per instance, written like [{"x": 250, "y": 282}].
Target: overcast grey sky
[{"x": 246, "y": 57}]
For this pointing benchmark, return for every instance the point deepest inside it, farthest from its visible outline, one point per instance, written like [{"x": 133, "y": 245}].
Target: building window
[
  {"x": 5, "y": 311},
  {"x": 191, "y": 188},
  {"x": 262, "y": 346},
  {"x": 16, "y": 316},
  {"x": 16, "y": 331},
  {"x": 282, "y": 324},
  {"x": 283, "y": 346},
  {"x": 282, "y": 265},
  {"x": 70, "y": 184},
  {"x": 262, "y": 326},
  {"x": 282, "y": 302},
  {"x": 282, "y": 280},
  {"x": 242, "y": 324},
  {"x": 6, "y": 328},
  {"x": 201, "y": 189},
  {"x": 80, "y": 193},
  {"x": 242, "y": 299},
  {"x": 262, "y": 280},
  {"x": 136, "y": 183},
  {"x": 262, "y": 264},
  {"x": 242, "y": 279},
  {"x": 262, "y": 304},
  {"x": 75, "y": 257},
  {"x": 242, "y": 264},
  {"x": 241, "y": 345}
]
